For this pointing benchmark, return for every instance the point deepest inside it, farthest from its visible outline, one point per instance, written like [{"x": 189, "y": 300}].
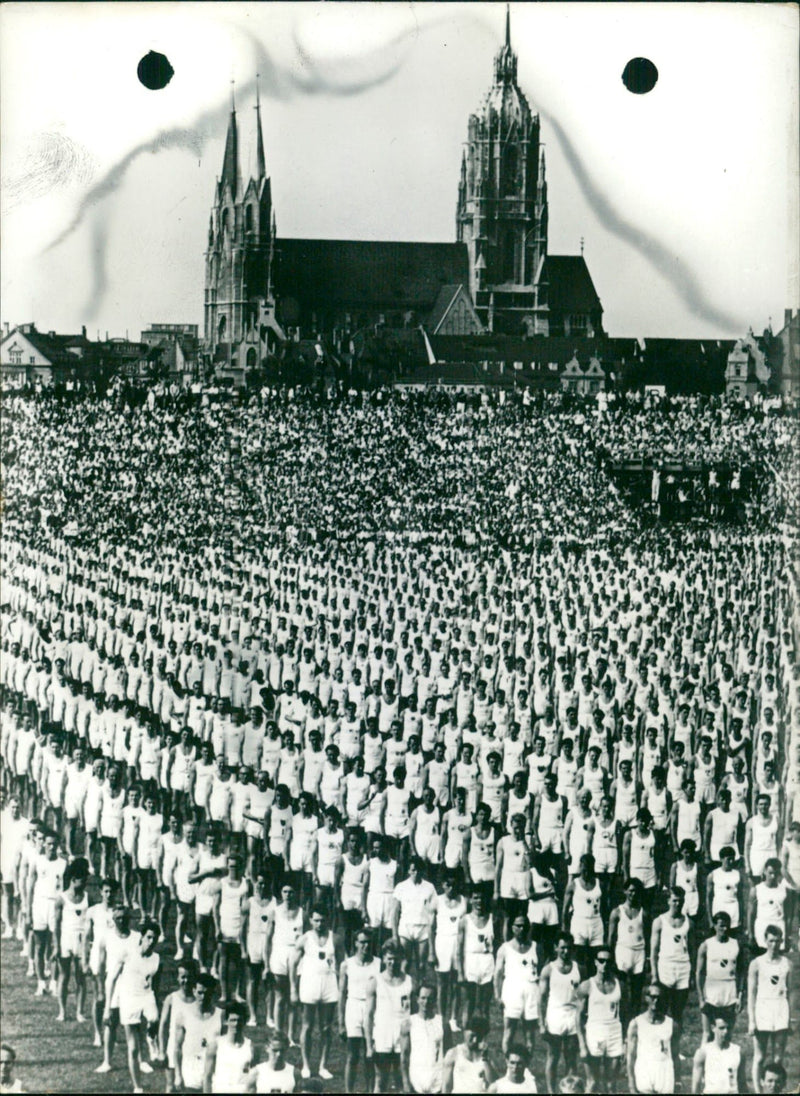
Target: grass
[{"x": 53, "y": 1057}]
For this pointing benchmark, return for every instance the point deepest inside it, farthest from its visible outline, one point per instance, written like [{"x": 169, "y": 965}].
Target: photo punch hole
[
  {"x": 640, "y": 75},
  {"x": 154, "y": 71}
]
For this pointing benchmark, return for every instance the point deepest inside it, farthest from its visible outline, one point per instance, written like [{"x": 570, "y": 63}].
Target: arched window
[
  {"x": 509, "y": 182},
  {"x": 226, "y": 216},
  {"x": 222, "y": 328},
  {"x": 252, "y": 358},
  {"x": 248, "y": 218}
]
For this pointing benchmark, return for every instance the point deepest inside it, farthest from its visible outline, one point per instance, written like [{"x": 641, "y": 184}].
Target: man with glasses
[
  {"x": 651, "y": 1049},
  {"x": 599, "y": 1025}
]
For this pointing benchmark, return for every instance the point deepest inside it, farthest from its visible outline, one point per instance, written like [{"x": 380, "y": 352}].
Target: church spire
[
  {"x": 505, "y": 62},
  {"x": 230, "y": 163},
  {"x": 261, "y": 162}
]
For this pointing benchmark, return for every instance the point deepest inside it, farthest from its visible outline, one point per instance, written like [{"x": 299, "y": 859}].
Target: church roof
[
  {"x": 569, "y": 284},
  {"x": 364, "y": 273}
]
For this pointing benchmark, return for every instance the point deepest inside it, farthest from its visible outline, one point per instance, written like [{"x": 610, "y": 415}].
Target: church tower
[
  {"x": 239, "y": 303},
  {"x": 502, "y": 200}
]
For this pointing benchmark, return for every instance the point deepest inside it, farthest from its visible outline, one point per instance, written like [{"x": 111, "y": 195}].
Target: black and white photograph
[{"x": 400, "y": 590}]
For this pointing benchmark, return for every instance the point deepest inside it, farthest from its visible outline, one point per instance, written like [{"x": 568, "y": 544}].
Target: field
[{"x": 54, "y": 1057}]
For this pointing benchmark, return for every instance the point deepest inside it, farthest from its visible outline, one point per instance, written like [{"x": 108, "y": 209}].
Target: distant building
[
  {"x": 746, "y": 370},
  {"x": 262, "y": 289},
  {"x": 583, "y": 378},
  {"x": 179, "y": 344},
  {"x": 29, "y": 356},
  {"x": 788, "y": 379},
  {"x": 502, "y": 217}
]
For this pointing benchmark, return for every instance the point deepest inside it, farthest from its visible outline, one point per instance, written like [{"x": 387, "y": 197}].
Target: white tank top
[
  {"x": 481, "y": 855},
  {"x": 74, "y": 920},
  {"x": 562, "y": 998},
  {"x": 630, "y": 933},
  {"x": 654, "y": 1041},
  {"x": 687, "y": 878},
  {"x": 354, "y": 875},
  {"x": 319, "y": 956},
  {"x": 397, "y": 803},
  {"x": 232, "y": 896},
  {"x": 721, "y": 956},
  {"x": 689, "y": 821},
  {"x": 674, "y": 944},
  {"x": 520, "y": 966},
  {"x": 551, "y": 814},
  {"x": 381, "y": 875},
  {"x": 469, "y": 1076},
  {"x": 586, "y": 904},
  {"x": 329, "y": 846},
  {"x": 478, "y": 939},
  {"x": 358, "y": 976},
  {"x": 721, "y": 1072},
  {"x": 288, "y": 926},
  {"x": 724, "y": 825},
  {"x": 764, "y": 837},
  {"x": 258, "y": 918},
  {"x": 392, "y": 1002},
  {"x": 448, "y": 917},
  {"x": 231, "y": 1066},
  {"x": 603, "y": 1008},
  {"x": 642, "y": 863}
]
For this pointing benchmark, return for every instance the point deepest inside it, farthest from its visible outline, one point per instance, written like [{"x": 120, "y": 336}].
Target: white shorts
[
  {"x": 386, "y": 1034},
  {"x": 351, "y": 897},
  {"x": 587, "y": 933},
  {"x": 543, "y": 911},
  {"x": 478, "y": 968},
  {"x": 561, "y": 1021},
  {"x": 355, "y": 1018},
  {"x": 300, "y": 858},
  {"x": 520, "y": 1000},
  {"x": 72, "y": 944},
  {"x": 514, "y": 884},
  {"x": 654, "y": 1077},
  {"x": 445, "y": 948},
  {"x": 318, "y": 989},
  {"x": 134, "y": 1009},
  {"x": 407, "y": 931},
  {"x": 326, "y": 875},
  {"x": 430, "y": 850},
  {"x": 193, "y": 1071},
  {"x": 379, "y": 909},
  {"x": 629, "y": 960},
  {"x": 604, "y": 1040},
  {"x": 94, "y": 960},
  {"x": 674, "y": 975},
  {"x": 43, "y": 914},
  {"x": 771, "y": 1015},
  {"x": 551, "y": 840},
  {"x": 605, "y": 861},
  {"x": 396, "y": 827},
  {"x": 280, "y": 958}
]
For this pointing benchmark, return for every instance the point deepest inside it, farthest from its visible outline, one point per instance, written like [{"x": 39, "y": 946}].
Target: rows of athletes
[
  {"x": 573, "y": 821},
  {"x": 577, "y": 999}
]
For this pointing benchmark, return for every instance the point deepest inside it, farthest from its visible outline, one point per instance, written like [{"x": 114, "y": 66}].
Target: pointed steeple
[
  {"x": 261, "y": 162},
  {"x": 230, "y": 163},
  {"x": 505, "y": 62}
]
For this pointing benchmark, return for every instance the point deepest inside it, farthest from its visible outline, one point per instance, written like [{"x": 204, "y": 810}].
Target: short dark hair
[{"x": 778, "y": 1069}]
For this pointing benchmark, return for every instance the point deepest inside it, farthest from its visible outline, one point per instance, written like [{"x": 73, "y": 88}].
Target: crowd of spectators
[{"x": 194, "y": 471}]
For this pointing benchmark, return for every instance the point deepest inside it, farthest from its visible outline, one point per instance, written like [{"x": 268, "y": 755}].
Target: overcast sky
[{"x": 687, "y": 197}]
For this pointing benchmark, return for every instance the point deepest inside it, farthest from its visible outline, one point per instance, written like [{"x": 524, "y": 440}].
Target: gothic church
[{"x": 497, "y": 277}]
